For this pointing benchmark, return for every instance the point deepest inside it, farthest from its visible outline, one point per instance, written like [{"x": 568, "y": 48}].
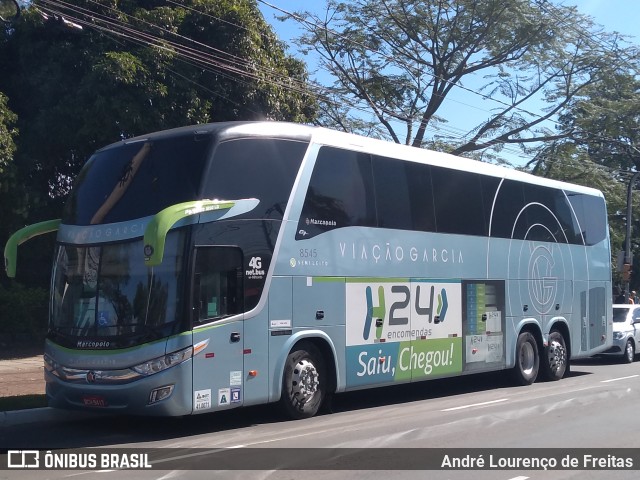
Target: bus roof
[{"x": 325, "y": 136}]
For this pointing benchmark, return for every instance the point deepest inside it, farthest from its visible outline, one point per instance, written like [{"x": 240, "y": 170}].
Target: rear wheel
[
  {"x": 525, "y": 370},
  {"x": 555, "y": 363},
  {"x": 629, "y": 354},
  {"x": 304, "y": 382}
]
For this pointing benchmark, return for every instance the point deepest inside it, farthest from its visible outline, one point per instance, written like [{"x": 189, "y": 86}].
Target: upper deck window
[
  {"x": 136, "y": 180},
  {"x": 340, "y": 193},
  {"x": 262, "y": 168}
]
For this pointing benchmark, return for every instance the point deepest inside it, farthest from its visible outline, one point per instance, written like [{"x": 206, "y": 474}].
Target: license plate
[{"x": 94, "y": 401}]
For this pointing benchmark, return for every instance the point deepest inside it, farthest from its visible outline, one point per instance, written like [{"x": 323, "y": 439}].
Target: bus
[{"x": 216, "y": 266}]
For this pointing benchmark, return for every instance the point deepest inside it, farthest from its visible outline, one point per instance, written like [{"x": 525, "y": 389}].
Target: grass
[{"x": 22, "y": 402}]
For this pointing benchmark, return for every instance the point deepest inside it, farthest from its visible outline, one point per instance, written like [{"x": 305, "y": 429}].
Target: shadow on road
[{"x": 111, "y": 430}]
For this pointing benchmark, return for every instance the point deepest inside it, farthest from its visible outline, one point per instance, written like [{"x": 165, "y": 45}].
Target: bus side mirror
[{"x": 21, "y": 236}]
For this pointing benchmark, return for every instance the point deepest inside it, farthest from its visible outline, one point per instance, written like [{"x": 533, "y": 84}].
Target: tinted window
[
  {"x": 532, "y": 212},
  {"x": 255, "y": 168},
  {"x": 340, "y": 193},
  {"x": 423, "y": 214},
  {"x": 546, "y": 211},
  {"x": 459, "y": 202},
  {"x": 508, "y": 205},
  {"x": 489, "y": 188},
  {"x": 592, "y": 216},
  {"x": 217, "y": 283},
  {"x": 137, "y": 180},
  {"x": 403, "y": 194}
]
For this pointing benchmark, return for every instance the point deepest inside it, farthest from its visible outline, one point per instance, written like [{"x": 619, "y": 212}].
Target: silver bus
[{"x": 216, "y": 266}]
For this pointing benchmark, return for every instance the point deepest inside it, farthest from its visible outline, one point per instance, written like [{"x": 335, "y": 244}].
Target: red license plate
[{"x": 94, "y": 401}]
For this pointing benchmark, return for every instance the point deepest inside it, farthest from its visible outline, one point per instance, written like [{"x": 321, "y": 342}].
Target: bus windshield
[{"x": 105, "y": 296}]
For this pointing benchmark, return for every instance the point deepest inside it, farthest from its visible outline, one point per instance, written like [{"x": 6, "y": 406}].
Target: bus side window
[
  {"x": 217, "y": 283},
  {"x": 340, "y": 194}
]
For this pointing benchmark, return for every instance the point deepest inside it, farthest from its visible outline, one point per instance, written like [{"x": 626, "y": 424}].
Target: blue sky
[
  {"x": 466, "y": 110},
  {"x": 615, "y": 15}
]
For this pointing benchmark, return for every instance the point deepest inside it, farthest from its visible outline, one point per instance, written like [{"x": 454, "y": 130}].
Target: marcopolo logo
[{"x": 396, "y": 315}]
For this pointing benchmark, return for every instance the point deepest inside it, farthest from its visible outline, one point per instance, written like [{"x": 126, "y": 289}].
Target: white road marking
[
  {"x": 475, "y": 405},
  {"x": 620, "y": 378}
]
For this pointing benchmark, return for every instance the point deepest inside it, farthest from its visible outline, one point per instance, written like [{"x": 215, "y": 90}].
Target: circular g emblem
[
  {"x": 543, "y": 285},
  {"x": 91, "y": 377}
]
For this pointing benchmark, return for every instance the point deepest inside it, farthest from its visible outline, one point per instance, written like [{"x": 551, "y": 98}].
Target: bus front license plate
[{"x": 94, "y": 401}]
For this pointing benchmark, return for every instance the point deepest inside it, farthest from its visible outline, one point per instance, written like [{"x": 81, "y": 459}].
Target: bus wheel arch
[
  {"x": 308, "y": 378},
  {"x": 556, "y": 354},
  {"x": 527, "y": 356}
]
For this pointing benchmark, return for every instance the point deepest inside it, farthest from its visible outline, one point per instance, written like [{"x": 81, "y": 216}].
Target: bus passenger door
[{"x": 218, "y": 334}]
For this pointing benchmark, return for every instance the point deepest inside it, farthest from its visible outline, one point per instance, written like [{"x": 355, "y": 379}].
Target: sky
[
  {"x": 615, "y": 15},
  {"x": 465, "y": 110}
]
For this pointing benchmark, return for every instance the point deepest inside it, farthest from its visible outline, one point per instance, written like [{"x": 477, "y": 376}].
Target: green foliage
[
  {"x": 7, "y": 134},
  {"x": 605, "y": 121},
  {"x": 24, "y": 314}
]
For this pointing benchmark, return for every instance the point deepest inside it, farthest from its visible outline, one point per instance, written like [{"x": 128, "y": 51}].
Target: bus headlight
[
  {"x": 50, "y": 365},
  {"x": 162, "y": 363}
]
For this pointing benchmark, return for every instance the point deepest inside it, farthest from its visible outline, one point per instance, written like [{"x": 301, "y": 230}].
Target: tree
[
  {"x": 399, "y": 60},
  {"x": 82, "y": 74},
  {"x": 602, "y": 148},
  {"x": 8, "y": 135},
  {"x": 605, "y": 120}
]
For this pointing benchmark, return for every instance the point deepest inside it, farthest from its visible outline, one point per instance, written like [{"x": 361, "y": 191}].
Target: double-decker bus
[{"x": 232, "y": 264}]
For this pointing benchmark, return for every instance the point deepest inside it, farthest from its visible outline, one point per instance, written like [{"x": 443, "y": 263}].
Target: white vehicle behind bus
[{"x": 626, "y": 332}]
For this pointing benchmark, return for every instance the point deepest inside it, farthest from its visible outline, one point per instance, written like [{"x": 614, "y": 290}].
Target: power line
[
  {"x": 219, "y": 61},
  {"x": 314, "y": 25},
  {"x": 126, "y": 31},
  {"x": 230, "y": 63}
]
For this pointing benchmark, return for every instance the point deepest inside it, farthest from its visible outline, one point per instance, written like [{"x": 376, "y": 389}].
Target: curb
[{"x": 36, "y": 415}]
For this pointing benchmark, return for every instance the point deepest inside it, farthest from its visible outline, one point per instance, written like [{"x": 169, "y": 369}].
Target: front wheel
[
  {"x": 629, "y": 352},
  {"x": 525, "y": 370},
  {"x": 304, "y": 382},
  {"x": 556, "y": 359}
]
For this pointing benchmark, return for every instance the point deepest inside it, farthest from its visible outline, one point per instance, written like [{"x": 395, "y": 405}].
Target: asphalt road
[{"x": 369, "y": 432}]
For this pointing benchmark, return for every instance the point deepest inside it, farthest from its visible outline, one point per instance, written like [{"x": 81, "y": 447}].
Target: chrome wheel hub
[
  {"x": 557, "y": 356},
  {"x": 304, "y": 381}
]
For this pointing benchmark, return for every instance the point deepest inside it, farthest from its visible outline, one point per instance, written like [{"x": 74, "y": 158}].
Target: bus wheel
[
  {"x": 303, "y": 382},
  {"x": 527, "y": 359},
  {"x": 556, "y": 362}
]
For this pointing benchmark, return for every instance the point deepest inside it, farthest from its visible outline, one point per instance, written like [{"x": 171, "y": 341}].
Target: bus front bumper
[{"x": 142, "y": 396}]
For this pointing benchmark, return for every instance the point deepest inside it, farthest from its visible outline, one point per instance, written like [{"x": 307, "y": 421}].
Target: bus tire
[
  {"x": 525, "y": 370},
  {"x": 556, "y": 358},
  {"x": 304, "y": 382}
]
